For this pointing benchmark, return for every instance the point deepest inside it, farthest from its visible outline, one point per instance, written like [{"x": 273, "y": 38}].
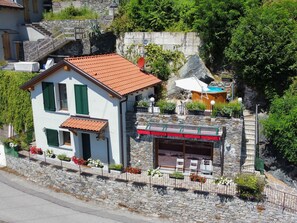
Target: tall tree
[
  {"x": 263, "y": 48},
  {"x": 214, "y": 21}
]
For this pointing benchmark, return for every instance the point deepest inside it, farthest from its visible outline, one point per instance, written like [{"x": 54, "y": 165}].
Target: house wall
[
  {"x": 101, "y": 105},
  {"x": 34, "y": 16},
  {"x": 143, "y": 149}
]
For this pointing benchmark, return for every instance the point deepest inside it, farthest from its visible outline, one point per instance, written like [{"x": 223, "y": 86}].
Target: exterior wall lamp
[{"x": 152, "y": 100}]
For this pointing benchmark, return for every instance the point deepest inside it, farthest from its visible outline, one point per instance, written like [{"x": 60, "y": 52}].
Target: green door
[{"x": 86, "y": 146}]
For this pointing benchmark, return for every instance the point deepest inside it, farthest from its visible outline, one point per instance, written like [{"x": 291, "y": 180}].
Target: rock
[{"x": 194, "y": 66}]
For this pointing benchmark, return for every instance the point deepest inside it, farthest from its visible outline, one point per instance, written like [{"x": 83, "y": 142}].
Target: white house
[{"x": 79, "y": 105}]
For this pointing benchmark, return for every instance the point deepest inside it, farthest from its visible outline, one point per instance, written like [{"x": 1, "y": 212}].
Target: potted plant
[
  {"x": 196, "y": 108},
  {"x": 142, "y": 106},
  {"x": 166, "y": 107},
  {"x": 64, "y": 157},
  {"x": 115, "y": 168},
  {"x": 133, "y": 170},
  {"x": 196, "y": 178},
  {"x": 154, "y": 172},
  {"x": 50, "y": 153},
  {"x": 94, "y": 163},
  {"x": 35, "y": 150},
  {"x": 176, "y": 175},
  {"x": 221, "y": 110}
]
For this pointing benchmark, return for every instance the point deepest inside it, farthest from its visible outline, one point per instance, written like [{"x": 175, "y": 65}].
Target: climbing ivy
[
  {"x": 158, "y": 61},
  {"x": 15, "y": 104}
]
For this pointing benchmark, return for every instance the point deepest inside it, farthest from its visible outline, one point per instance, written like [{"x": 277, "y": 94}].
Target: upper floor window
[
  {"x": 48, "y": 96},
  {"x": 81, "y": 99},
  {"x": 63, "y": 97}
]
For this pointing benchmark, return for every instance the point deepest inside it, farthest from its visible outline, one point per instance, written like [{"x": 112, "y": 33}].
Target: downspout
[
  {"x": 108, "y": 157},
  {"x": 122, "y": 131}
]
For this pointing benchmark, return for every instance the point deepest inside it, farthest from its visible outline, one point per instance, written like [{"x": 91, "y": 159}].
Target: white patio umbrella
[{"x": 192, "y": 84}]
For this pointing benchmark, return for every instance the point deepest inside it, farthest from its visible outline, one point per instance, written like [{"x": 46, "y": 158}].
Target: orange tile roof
[
  {"x": 83, "y": 123},
  {"x": 115, "y": 72},
  {"x": 7, "y": 3}
]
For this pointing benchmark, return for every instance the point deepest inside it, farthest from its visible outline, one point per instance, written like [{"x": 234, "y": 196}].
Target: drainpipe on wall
[
  {"x": 108, "y": 157},
  {"x": 122, "y": 131}
]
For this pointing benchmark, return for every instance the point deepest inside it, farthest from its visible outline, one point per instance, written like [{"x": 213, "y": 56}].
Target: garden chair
[
  {"x": 179, "y": 165},
  {"x": 193, "y": 166}
]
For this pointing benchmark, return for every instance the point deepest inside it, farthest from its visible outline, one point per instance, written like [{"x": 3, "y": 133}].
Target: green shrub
[
  {"x": 166, "y": 106},
  {"x": 250, "y": 186},
  {"x": 143, "y": 103},
  {"x": 196, "y": 105},
  {"x": 232, "y": 108},
  {"x": 176, "y": 175},
  {"x": 114, "y": 166},
  {"x": 71, "y": 13},
  {"x": 64, "y": 157}
]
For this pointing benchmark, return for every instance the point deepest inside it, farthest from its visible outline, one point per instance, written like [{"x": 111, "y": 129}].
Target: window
[
  {"x": 52, "y": 137},
  {"x": 81, "y": 99},
  {"x": 138, "y": 97},
  {"x": 48, "y": 96},
  {"x": 63, "y": 97},
  {"x": 66, "y": 140}
]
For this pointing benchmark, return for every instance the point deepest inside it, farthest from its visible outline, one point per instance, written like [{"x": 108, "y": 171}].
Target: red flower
[
  {"x": 133, "y": 170},
  {"x": 78, "y": 161},
  {"x": 197, "y": 178},
  {"x": 35, "y": 150}
]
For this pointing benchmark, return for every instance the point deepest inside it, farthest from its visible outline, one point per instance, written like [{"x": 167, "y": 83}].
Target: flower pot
[
  {"x": 219, "y": 114},
  {"x": 195, "y": 112},
  {"x": 115, "y": 171},
  {"x": 141, "y": 109},
  {"x": 169, "y": 112}
]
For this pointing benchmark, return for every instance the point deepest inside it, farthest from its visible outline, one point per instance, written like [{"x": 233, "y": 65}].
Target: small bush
[
  {"x": 118, "y": 167},
  {"x": 250, "y": 187},
  {"x": 176, "y": 175},
  {"x": 166, "y": 106},
  {"x": 227, "y": 109},
  {"x": 64, "y": 157},
  {"x": 196, "y": 106},
  {"x": 143, "y": 103},
  {"x": 197, "y": 178},
  {"x": 71, "y": 13},
  {"x": 133, "y": 170}
]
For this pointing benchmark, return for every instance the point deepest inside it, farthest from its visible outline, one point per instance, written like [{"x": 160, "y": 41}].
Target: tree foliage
[
  {"x": 263, "y": 48},
  {"x": 281, "y": 125},
  {"x": 214, "y": 21},
  {"x": 15, "y": 104}
]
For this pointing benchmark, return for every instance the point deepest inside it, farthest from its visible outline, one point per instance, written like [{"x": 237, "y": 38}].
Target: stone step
[
  {"x": 250, "y": 141},
  {"x": 41, "y": 29},
  {"x": 249, "y": 132},
  {"x": 249, "y": 127}
]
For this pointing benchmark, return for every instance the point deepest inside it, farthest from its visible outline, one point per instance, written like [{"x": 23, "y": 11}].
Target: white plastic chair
[
  {"x": 193, "y": 166},
  {"x": 179, "y": 165},
  {"x": 206, "y": 166}
]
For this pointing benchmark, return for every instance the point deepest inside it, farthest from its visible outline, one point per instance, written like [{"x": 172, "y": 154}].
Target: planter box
[
  {"x": 223, "y": 115},
  {"x": 27, "y": 66},
  {"x": 115, "y": 171},
  {"x": 196, "y": 112},
  {"x": 174, "y": 177},
  {"x": 141, "y": 109},
  {"x": 169, "y": 112}
]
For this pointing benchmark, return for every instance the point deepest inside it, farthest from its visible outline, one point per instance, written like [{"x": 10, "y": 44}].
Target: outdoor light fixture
[
  {"x": 212, "y": 102},
  {"x": 239, "y": 100},
  {"x": 152, "y": 100}
]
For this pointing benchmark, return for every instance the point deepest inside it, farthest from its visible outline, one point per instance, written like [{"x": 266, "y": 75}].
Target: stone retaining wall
[
  {"x": 165, "y": 202},
  {"x": 143, "y": 149}
]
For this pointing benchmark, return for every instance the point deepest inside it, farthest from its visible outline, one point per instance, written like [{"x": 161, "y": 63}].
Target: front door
[
  {"x": 6, "y": 46},
  {"x": 86, "y": 146},
  {"x": 26, "y": 11}
]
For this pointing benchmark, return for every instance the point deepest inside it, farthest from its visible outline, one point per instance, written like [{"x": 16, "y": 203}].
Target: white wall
[
  {"x": 101, "y": 105},
  {"x": 33, "y": 35}
]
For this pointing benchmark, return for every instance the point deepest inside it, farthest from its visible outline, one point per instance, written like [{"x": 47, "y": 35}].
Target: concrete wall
[
  {"x": 144, "y": 151},
  {"x": 176, "y": 205},
  {"x": 188, "y": 43}
]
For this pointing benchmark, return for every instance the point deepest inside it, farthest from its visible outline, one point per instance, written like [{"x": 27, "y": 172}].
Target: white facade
[{"x": 101, "y": 105}]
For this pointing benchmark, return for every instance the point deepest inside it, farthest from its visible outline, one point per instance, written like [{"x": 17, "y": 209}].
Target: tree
[
  {"x": 214, "y": 21},
  {"x": 263, "y": 47},
  {"x": 281, "y": 125}
]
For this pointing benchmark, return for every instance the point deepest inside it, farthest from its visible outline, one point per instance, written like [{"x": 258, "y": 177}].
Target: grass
[{"x": 71, "y": 13}]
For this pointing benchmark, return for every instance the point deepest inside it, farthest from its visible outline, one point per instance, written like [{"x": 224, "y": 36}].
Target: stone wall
[
  {"x": 188, "y": 43},
  {"x": 143, "y": 149},
  {"x": 165, "y": 202}
]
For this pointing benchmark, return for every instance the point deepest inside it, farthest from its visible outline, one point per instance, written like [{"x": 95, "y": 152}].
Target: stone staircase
[
  {"x": 51, "y": 43},
  {"x": 40, "y": 29},
  {"x": 249, "y": 153}
]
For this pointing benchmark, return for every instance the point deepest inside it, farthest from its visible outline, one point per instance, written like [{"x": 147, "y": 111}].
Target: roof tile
[{"x": 84, "y": 123}]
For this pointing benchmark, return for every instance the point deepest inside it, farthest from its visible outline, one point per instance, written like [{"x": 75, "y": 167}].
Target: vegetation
[
  {"x": 196, "y": 178},
  {"x": 263, "y": 47},
  {"x": 281, "y": 125},
  {"x": 64, "y": 157},
  {"x": 15, "y": 105},
  {"x": 166, "y": 107},
  {"x": 250, "y": 186},
  {"x": 71, "y": 13},
  {"x": 118, "y": 167},
  {"x": 143, "y": 103},
  {"x": 133, "y": 170},
  {"x": 196, "y": 105},
  {"x": 227, "y": 109},
  {"x": 176, "y": 175}
]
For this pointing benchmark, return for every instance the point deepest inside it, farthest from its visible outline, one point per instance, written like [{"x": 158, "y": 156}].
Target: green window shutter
[
  {"x": 52, "y": 137},
  {"x": 48, "y": 96},
  {"x": 81, "y": 99}
]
